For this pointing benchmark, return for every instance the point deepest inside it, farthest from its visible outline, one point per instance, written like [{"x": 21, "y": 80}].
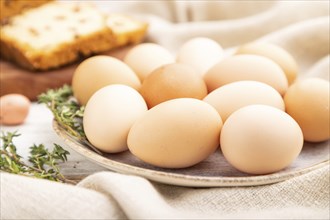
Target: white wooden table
[{"x": 37, "y": 129}]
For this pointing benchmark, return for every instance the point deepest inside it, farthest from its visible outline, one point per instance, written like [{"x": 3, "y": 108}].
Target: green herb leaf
[
  {"x": 65, "y": 109},
  {"x": 44, "y": 163}
]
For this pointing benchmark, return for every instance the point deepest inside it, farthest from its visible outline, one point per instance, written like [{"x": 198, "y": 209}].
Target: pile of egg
[{"x": 174, "y": 111}]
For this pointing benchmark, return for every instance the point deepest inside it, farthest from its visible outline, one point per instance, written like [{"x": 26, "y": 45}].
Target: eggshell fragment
[
  {"x": 260, "y": 139},
  {"x": 175, "y": 134},
  {"x": 236, "y": 95},
  {"x": 307, "y": 101},
  {"x": 145, "y": 58},
  {"x": 172, "y": 81},
  {"x": 109, "y": 114},
  {"x": 14, "y": 109},
  {"x": 99, "y": 71},
  {"x": 201, "y": 53},
  {"x": 275, "y": 53},
  {"x": 246, "y": 67}
]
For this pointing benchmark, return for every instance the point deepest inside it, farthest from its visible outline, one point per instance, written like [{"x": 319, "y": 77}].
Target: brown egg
[
  {"x": 172, "y": 81},
  {"x": 146, "y": 57},
  {"x": 14, "y": 109},
  {"x": 246, "y": 67},
  {"x": 99, "y": 71},
  {"x": 260, "y": 139},
  {"x": 176, "y": 134},
  {"x": 275, "y": 53},
  {"x": 109, "y": 114},
  {"x": 201, "y": 53},
  {"x": 307, "y": 101},
  {"x": 233, "y": 96}
]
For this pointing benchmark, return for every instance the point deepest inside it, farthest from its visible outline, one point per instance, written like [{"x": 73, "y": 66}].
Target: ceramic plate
[{"x": 212, "y": 172}]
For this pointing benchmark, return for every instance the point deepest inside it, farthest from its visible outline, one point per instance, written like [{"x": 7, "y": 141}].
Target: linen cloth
[{"x": 301, "y": 27}]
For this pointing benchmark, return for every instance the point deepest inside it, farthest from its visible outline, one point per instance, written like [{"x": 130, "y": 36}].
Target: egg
[
  {"x": 280, "y": 56},
  {"x": 99, "y": 71},
  {"x": 146, "y": 57},
  {"x": 109, "y": 115},
  {"x": 307, "y": 101},
  {"x": 172, "y": 81},
  {"x": 236, "y": 95},
  {"x": 246, "y": 67},
  {"x": 175, "y": 134},
  {"x": 260, "y": 139},
  {"x": 201, "y": 53},
  {"x": 14, "y": 108}
]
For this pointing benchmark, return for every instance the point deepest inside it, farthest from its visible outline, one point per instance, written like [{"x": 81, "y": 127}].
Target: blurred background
[{"x": 229, "y": 22}]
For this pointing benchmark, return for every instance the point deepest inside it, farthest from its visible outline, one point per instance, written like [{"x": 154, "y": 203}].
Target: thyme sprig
[
  {"x": 43, "y": 163},
  {"x": 67, "y": 112}
]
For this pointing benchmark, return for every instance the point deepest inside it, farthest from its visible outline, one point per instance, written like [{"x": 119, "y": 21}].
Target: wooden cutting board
[{"x": 14, "y": 79}]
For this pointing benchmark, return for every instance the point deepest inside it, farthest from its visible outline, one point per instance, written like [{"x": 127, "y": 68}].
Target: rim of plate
[{"x": 180, "y": 179}]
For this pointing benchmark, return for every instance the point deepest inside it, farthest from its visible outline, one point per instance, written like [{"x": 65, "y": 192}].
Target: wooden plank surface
[{"x": 14, "y": 79}]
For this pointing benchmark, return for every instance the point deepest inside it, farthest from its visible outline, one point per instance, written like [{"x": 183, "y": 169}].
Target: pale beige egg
[
  {"x": 246, "y": 67},
  {"x": 260, "y": 139},
  {"x": 175, "y": 134},
  {"x": 280, "y": 56},
  {"x": 172, "y": 81},
  {"x": 99, "y": 71},
  {"x": 201, "y": 53},
  {"x": 109, "y": 115},
  {"x": 14, "y": 108},
  {"x": 146, "y": 57},
  {"x": 236, "y": 95},
  {"x": 307, "y": 101}
]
